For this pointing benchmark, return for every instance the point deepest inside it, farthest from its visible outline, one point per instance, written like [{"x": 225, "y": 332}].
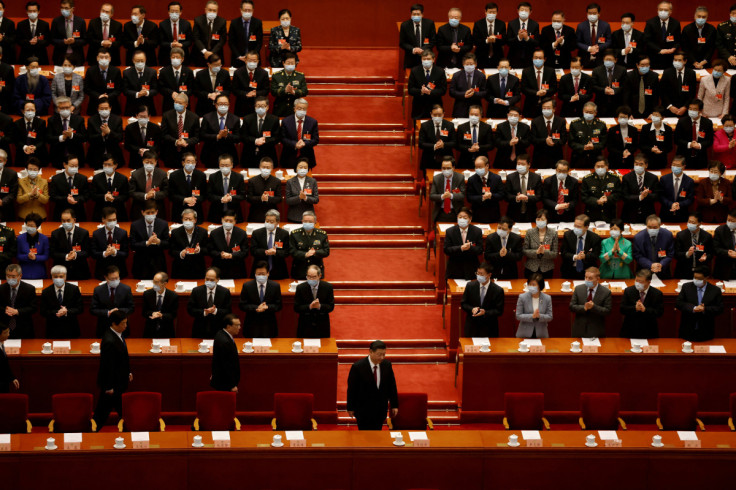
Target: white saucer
[
  {"x": 636, "y": 351},
  {"x": 203, "y": 351},
  {"x": 249, "y": 351},
  {"x": 197, "y": 445},
  {"x": 297, "y": 351},
  {"x": 115, "y": 446},
  {"x": 277, "y": 445},
  {"x": 50, "y": 448},
  {"x": 155, "y": 351},
  {"x": 566, "y": 290},
  {"x": 485, "y": 351},
  {"x": 402, "y": 443},
  {"x": 576, "y": 350},
  {"x": 519, "y": 350},
  {"x": 688, "y": 351},
  {"x": 658, "y": 445},
  {"x": 595, "y": 444},
  {"x": 512, "y": 444},
  {"x": 49, "y": 352},
  {"x": 94, "y": 352}
]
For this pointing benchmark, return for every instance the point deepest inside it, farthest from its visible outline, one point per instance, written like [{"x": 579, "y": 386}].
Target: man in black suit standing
[
  {"x": 299, "y": 136},
  {"x": 641, "y": 306},
  {"x": 109, "y": 298},
  {"x": 489, "y": 37},
  {"x": 174, "y": 78},
  {"x": 537, "y": 83},
  {"x": 483, "y": 304},
  {"x": 474, "y": 139},
  {"x": 104, "y": 32},
  {"x": 66, "y": 133},
  {"x": 641, "y": 102},
  {"x": 187, "y": 187},
  {"x": 180, "y": 130},
  {"x": 724, "y": 243},
  {"x": 220, "y": 133},
  {"x": 260, "y": 133},
  {"x": 61, "y": 303},
  {"x": 608, "y": 85},
  {"x": 148, "y": 183},
  {"x": 522, "y": 37},
  {"x": 68, "y": 35},
  {"x": 7, "y": 377},
  {"x": 174, "y": 33},
  {"x": 548, "y": 135},
  {"x": 260, "y": 299},
  {"x": 209, "y": 305},
  {"x": 523, "y": 191},
  {"x": 228, "y": 247},
  {"x": 225, "y": 191},
  {"x": 264, "y": 192},
  {"x": 69, "y": 189},
  {"x": 463, "y": 245},
  {"x": 503, "y": 90},
  {"x": 454, "y": 40},
  {"x": 662, "y": 35},
  {"x": 504, "y": 250},
  {"x": 30, "y": 131},
  {"x": 140, "y": 85},
  {"x": 678, "y": 86},
  {"x": 693, "y": 248},
  {"x": 245, "y": 35},
  {"x": 18, "y": 303},
  {"x": 210, "y": 83},
  {"x": 149, "y": 239},
  {"x": 576, "y": 88},
  {"x": 7, "y": 76},
  {"x": 640, "y": 191},
  {"x": 110, "y": 245},
  {"x": 468, "y": 87},
  {"x": 580, "y": 249},
  {"x": 416, "y": 35},
  {"x": 160, "y": 307},
  {"x": 225, "y": 362},
  {"x": 694, "y": 136},
  {"x": 427, "y": 84},
  {"x": 271, "y": 245},
  {"x": 436, "y": 139},
  {"x": 558, "y": 41},
  {"x": 699, "y": 302},
  {"x": 103, "y": 81},
  {"x": 105, "y": 133},
  {"x": 114, "y": 373},
  {"x": 140, "y": 34},
  {"x": 314, "y": 300},
  {"x": 511, "y": 139},
  {"x": 250, "y": 82},
  {"x": 33, "y": 35},
  {"x": 447, "y": 192},
  {"x": 560, "y": 194},
  {"x": 485, "y": 191},
  {"x": 372, "y": 389},
  {"x": 8, "y": 189},
  {"x": 188, "y": 246},
  {"x": 627, "y": 42},
  {"x": 209, "y": 34},
  {"x": 110, "y": 188},
  {"x": 70, "y": 247},
  {"x": 141, "y": 136}
]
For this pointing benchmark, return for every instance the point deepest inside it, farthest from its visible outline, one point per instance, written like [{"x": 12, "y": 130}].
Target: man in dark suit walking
[
  {"x": 228, "y": 247},
  {"x": 160, "y": 307},
  {"x": 416, "y": 35},
  {"x": 149, "y": 239},
  {"x": 260, "y": 299},
  {"x": 314, "y": 300},
  {"x": 61, "y": 303},
  {"x": 245, "y": 35},
  {"x": 110, "y": 297},
  {"x": 110, "y": 245},
  {"x": 260, "y": 133},
  {"x": 70, "y": 247},
  {"x": 372, "y": 389},
  {"x": 209, "y": 305},
  {"x": 271, "y": 245},
  {"x": 225, "y": 363},
  {"x": 641, "y": 305},
  {"x": 699, "y": 302},
  {"x": 483, "y": 304},
  {"x": 114, "y": 373},
  {"x": 18, "y": 303},
  {"x": 7, "y": 378}
]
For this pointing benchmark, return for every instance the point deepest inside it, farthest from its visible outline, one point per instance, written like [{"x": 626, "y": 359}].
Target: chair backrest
[
  {"x": 677, "y": 411},
  {"x": 72, "y": 412},
  {"x": 216, "y": 410},
  {"x": 600, "y": 410},
  {"x": 142, "y": 411},
  {"x": 412, "y": 413},
  {"x": 14, "y": 410},
  {"x": 523, "y": 410},
  {"x": 293, "y": 411}
]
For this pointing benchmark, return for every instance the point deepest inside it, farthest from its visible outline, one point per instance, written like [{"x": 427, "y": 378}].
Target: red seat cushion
[
  {"x": 678, "y": 411},
  {"x": 142, "y": 411},
  {"x": 14, "y": 410},
  {"x": 293, "y": 411},
  {"x": 412, "y": 412},
  {"x": 216, "y": 410},
  {"x": 524, "y": 410},
  {"x": 72, "y": 412},
  {"x": 600, "y": 410}
]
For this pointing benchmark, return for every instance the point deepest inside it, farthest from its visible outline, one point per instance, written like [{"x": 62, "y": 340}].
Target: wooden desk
[{"x": 178, "y": 377}]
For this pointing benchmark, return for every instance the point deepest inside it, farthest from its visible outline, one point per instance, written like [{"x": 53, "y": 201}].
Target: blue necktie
[
  {"x": 579, "y": 263},
  {"x": 664, "y": 31},
  {"x": 475, "y": 134},
  {"x": 189, "y": 180},
  {"x": 262, "y": 293},
  {"x": 701, "y": 291},
  {"x": 503, "y": 88},
  {"x": 222, "y": 123},
  {"x": 270, "y": 246}
]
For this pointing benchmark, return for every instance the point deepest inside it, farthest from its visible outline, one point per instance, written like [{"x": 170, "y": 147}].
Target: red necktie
[
  {"x": 560, "y": 197},
  {"x": 181, "y": 125},
  {"x": 250, "y": 75},
  {"x": 174, "y": 33},
  {"x": 577, "y": 84},
  {"x": 109, "y": 238},
  {"x": 592, "y": 35},
  {"x": 105, "y": 34},
  {"x": 298, "y": 133},
  {"x": 590, "y": 295},
  {"x": 447, "y": 206},
  {"x": 549, "y": 128},
  {"x": 149, "y": 183},
  {"x": 375, "y": 375}
]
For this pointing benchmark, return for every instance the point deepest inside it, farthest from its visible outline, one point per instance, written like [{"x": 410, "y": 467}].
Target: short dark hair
[
  {"x": 702, "y": 269},
  {"x": 150, "y": 204},
  {"x": 68, "y": 211},
  {"x": 486, "y": 266},
  {"x": 491, "y": 5},
  {"x": 465, "y": 210},
  {"x": 624, "y": 109},
  {"x": 584, "y": 218},
  {"x": 727, "y": 118},
  {"x": 214, "y": 58},
  {"x": 449, "y": 158},
  {"x": 289, "y": 56},
  {"x": 416, "y": 6},
  {"x": 617, "y": 222},
  {"x": 719, "y": 62},
  {"x": 107, "y": 211},
  {"x": 243, "y": 2},
  {"x": 524, "y": 4},
  {"x": 716, "y": 164},
  {"x": 610, "y": 52},
  {"x": 698, "y": 103},
  {"x": 262, "y": 98},
  {"x": 549, "y": 99},
  {"x": 149, "y": 154},
  {"x": 629, "y": 15},
  {"x": 111, "y": 269},
  {"x": 284, "y": 11},
  {"x": 230, "y": 213},
  {"x": 539, "y": 278},
  {"x": 642, "y": 58},
  {"x": 732, "y": 213},
  {"x": 680, "y": 52},
  {"x": 543, "y": 213},
  {"x": 377, "y": 345},
  {"x": 108, "y": 156},
  {"x": 470, "y": 56},
  {"x": 33, "y": 218},
  {"x": 214, "y": 269},
  {"x": 696, "y": 215},
  {"x": 659, "y": 109},
  {"x": 3, "y": 326},
  {"x": 140, "y": 8},
  {"x": 593, "y": 6},
  {"x": 117, "y": 317},
  {"x": 228, "y": 319},
  {"x": 174, "y": 4},
  {"x": 31, "y": 4},
  {"x": 261, "y": 264},
  {"x": 506, "y": 220}
]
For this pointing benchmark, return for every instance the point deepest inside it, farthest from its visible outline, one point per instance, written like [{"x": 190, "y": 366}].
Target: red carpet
[
  {"x": 372, "y": 264},
  {"x": 370, "y": 211},
  {"x": 339, "y": 159},
  {"x": 362, "y": 110},
  {"x": 437, "y": 380},
  {"x": 387, "y": 322},
  {"x": 349, "y": 62}
]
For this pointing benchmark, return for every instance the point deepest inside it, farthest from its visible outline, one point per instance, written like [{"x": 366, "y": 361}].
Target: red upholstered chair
[
  {"x": 14, "y": 410},
  {"x": 72, "y": 413},
  {"x": 678, "y": 411},
  {"x": 412, "y": 414},
  {"x": 293, "y": 411},
  {"x": 732, "y": 406},
  {"x": 141, "y": 412},
  {"x": 524, "y": 411},
  {"x": 216, "y": 411},
  {"x": 599, "y": 411}
]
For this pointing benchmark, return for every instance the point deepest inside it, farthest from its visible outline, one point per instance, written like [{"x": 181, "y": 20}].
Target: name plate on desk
[
  {"x": 221, "y": 438},
  {"x": 261, "y": 348},
  {"x": 421, "y": 443},
  {"x": 297, "y": 443},
  {"x": 140, "y": 440},
  {"x": 533, "y": 443},
  {"x": 72, "y": 441},
  {"x": 692, "y": 444},
  {"x": 169, "y": 349},
  {"x": 472, "y": 348},
  {"x": 61, "y": 347},
  {"x": 537, "y": 348},
  {"x": 650, "y": 349},
  {"x": 4, "y": 442},
  {"x": 311, "y": 349},
  {"x": 730, "y": 290},
  {"x": 612, "y": 443},
  {"x": 702, "y": 349},
  {"x": 616, "y": 289},
  {"x": 12, "y": 350},
  {"x": 591, "y": 349}
]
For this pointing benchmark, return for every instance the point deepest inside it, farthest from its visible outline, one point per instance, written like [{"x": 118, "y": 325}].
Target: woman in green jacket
[{"x": 616, "y": 254}]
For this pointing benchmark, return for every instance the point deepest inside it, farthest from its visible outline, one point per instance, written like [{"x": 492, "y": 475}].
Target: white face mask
[
  {"x": 174, "y": 16},
  {"x": 67, "y": 70},
  {"x": 301, "y": 172},
  {"x": 225, "y": 170},
  {"x": 140, "y": 65},
  {"x": 211, "y": 16},
  {"x": 246, "y": 15},
  {"x": 252, "y": 65},
  {"x": 148, "y": 167},
  {"x": 447, "y": 172},
  {"x": 135, "y": 19}
]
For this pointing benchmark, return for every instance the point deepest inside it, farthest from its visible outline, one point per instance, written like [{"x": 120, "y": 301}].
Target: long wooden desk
[
  {"x": 562, "y": 375},
  {"x": 348, "y": 460},
  {"x": 179, "y": 376}
]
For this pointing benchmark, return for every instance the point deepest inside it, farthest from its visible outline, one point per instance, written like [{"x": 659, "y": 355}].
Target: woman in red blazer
[{"x": 724, "y": 143}]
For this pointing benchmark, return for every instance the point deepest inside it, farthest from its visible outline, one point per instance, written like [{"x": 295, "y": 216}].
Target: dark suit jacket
[
  {"x": 446, "y": 58},
  {"x": 75, "y": 145},
  {"x": 590, "y": 323},
  {"x": 205, "y": 327},
  {"x": 685, "y": 197},
  {"x": 134, "y": 141},
  {"x": 297, "y": 206},
  {"x": 432, "y": 158},
  {"x": 458, "y": 87},
  {"x": 567, "y": 91},
  {"x": 462, "y": 264},
  {"x": 675, "y": 94},
  {"x": 618, "y": 43},
  {"x": 683, "y": 242},
  {"x": 370, "y": 403},
  {"x": 241, "y": 87},
  {"x": 166, "y": 37},
  {"x": 225, "y": 363},
  {"x": 256, "y": 187},
  {"x": 487, "y": 211},
  {"x": 203, "y": 39},
  {"x": 723, "y": 241},
  {"x": 457, "y": 185},
  {"x": 38, "y": 126},
  {"x": 239, "y": 45},
  {"x": 170, "y": 153},
  {"x": 648, "y": 140},
  {"x": 77, "y": 269},
  {"x": 58, "y": 35},
  {"x": 26, "y": 303},
  {"x": 167, "y": 84},
  {"x": 684, "y": 135},
  {"x": 101, "y": 305},
  {"x": 568, "y": 249},
  {"x": 641, "y": 246},
  {"x": 233, "y": 268},
  {"x": 314, "y": 323},
  {"x": 148, "y": 260},
  {"x": 310, "y": 136},
  {"x": 119, "y": 190},
  {"x": 95, "y": 85},
  {"x": 215, "y": 192},
  {"x": 464, "y": 137},
  {"x": 159, "y": 181},
  {"x": 607, "y": 104},
  {"x": 259, "y": 245},
  {"x": 408, "y": 40},
  {"x": 520, "y": 52},
  {"x": 249, "y": 133},
  {"x": 558, "y": 57},
  {"x": 99, "y": 245},
  {"x": 421, "y": 104},
  {"x": 260, "y": 324},
  {"x": 114, "y": 372},
  {"x": 23, "y": 38},
  {"x": 8, "y": 193},
  {"x": 489, "y": 54},
  {"x": 59, "y": 191},
  {"x": 546, "y": 156},
  {"x": 635, "y": 210},
  {"x": 7, "y": 101},
  {"x": 512, "y": 95},
  {"x": 616, "y": 146},
  {"x": 94, "y": 41},
  {"x": 213, "y": 147},
  {"x": 533, "y": 192},
  {"x": 655, "y": 43},
  {"x": 506, "y": 267},
  {"x": 41, "y": 95},
  {"x": 641, "y": 325},
  {"x": 529, "y": 87},
  {"x": 180, "y": 190},
  {"x": 151, "y": 40},
  {"x": 695, "y": 50},
  {"x": 550, "y": 191},
  {"x": 99, "y": 145},
  {"x": 164, "y": 327},
  {"x": 6, "y": 372},
  {"x": 694, "y": 326},
  {"x": 192, "y": 266},
  {"x": 582, "y": 36},
  {"x": 132, "y": 84},
  {"x": 203, "y": 87},
  {"x": 67, "y": 326},
  {"x": 632, "y": 84},
  {"x": 493, "y": 304},
  {"x": 501, "y": 140}
]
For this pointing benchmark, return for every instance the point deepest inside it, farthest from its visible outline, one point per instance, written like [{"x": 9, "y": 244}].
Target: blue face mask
[
  {"x": 178, "y": 107},
  {"x": 312, "y": 282},
  {"x": 480, "y": 171},
  {"x": 504, "y": 72},
  {"x": 210, "y": 284},
  {"x": 261, "y": 279},
  {"x": 700, "y": 22},
  {"x": 717, "y": 74},
  {"x": 532, "y": 289},
  {"x": 588, "y": 116},
  {"x": 58, "y": 282},
  {"x": 481, "y": 279},
  {"x": 416, "y": 18},
  {"x": 308, "y": 226},
  {"x": 31, "y": 230},
  {"x": 12, "y": 282},
  {"x": 600, "y": 172},
  {"x": 538, "y": 63},
  {"x": 653, "y": 232},
  {"x": 67, "y": 226},
  {"x": 698, "y": 283},
  {"x": 454, "y": 22},
  {"x": 427, "y": 64},
  {"x": 643, "y": 70},
  {"x": 693, "y": 114},
  {"x": 522, "y": 169},
  {"x": 578, "y": 232},
  {"x": 609, "y": 64},
  {"x": 692, "y": 227},
  {"x": 589, "y": 284},
  {"x": 260, "y": 111},
  {"x": 462, "y": 222},
  {"x": 677, "y": 170}
]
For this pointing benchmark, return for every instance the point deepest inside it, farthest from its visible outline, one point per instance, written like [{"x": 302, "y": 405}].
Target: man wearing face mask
[
  {"x": 61, "y": 303},
  {"x": 485, "y": 192},
  {"x": 314, "y": 300},
  {"x": 160, "y": 308},
  {"x": 7, "y": 76},
  {"x": 271, "y": 245},
  {"x": 726, "y": 38},
  {"x": 427, "y": 84},
  {"x": 576, "y": 89},
  {"x": 474, "y": 138},
  {"x": 663, "y": 36},
  {"x": 694, "y": 136},
  {"x": 140, "y": 34},
  {"x": 260, "y": 133},
  {"x": 641, "y": 89},
  {"x": 699, "y": 302},
  {"x": 593, "y": 37},
  {"x": 558, "y": 41},
  {"x": 587, "y": 137},
  {"x": 110, "y": 245},
  {"x": 68, "y": 35},
  {"x": 623, "y": 140},
  {"x": 245, "y": 35},
  {"x": 66, "y": 133},
  {"x": 511, "y": 139},
  {"x": 211, "y": 83},
  {"x": 591, "y": 304},
  {"x": 537, "y": 83},
  {"x": 548, "y": 135},
  {"x": 302, "y": 192},
  {"x": 181, "y": 131},
  {"x": 225, "y": 191},
  {"x": 693, "y": 247},
  {"x": 608, "y": 84},
  {"x": 220, "y": 132},
  {"x": 174, "y": 33},
  {"x": 299, "y": 136},
  {"x": 287, "y": 86},
  {"x": 483, "y": 304},
  {"x": 8, "y": 189},
  {"x": 656, "y": 141},
  {"x": 454, "y": 40},
  {"x": 468, "y": 87},
  {"x": 69, "y": 190},
  {"x": 110, "y": 297},
  {"x": 110, "y": 189},
  {"x": 103, "y": 81},
  {"x": 264, "y": 192},
  {"x": 149, "y": 239},
  {"x": 105, "y": 133},
  {"x": 140, "y": 85},
  {"x": 523, "y": 191},
  {"x": 628, "y": 42},
  {"x": 678, "y": 85},
  {"x": 640, "y": 190},
  {"x": 228, "y": 247},
  {"x": 600, "y": 192},
  {"x": 503, "y": 90},
  {"x": 522, "y": 36},
  {"x": 724, "y": 243},
  {"x": 148, "y": 183},
  {"x": 641, "y": 306},
  {"x": 579, "y": 248},
  {"x": 104, "y": 32},
  {"x": 447, "y": 192},
  {"x": 70, "y": 247},
  {"x": 415, "y": 35},
  {"x": 250, "y": 82},
  {"x": 187, "y": 186},
  {"x": 308, "y": 246},
  {"x": 31, "y": 87},
  {"x": 188, "y": 247},
  {"x": 463, "y": 245},
  {"x": 436, "y": 139},
  {"x": 33, "y": 35},
  {"x": 489, "y": 37},
  {"x": 677, "y": 193},
  {"x": 209, "y": 304},
  {"x": 260, "y": 299},
  {"x": 504, "y": 250},
  {"x": 18, "y": 303},
  {"x": 654, "y": 248},
  {"x": 209, "y": 34},
  {"x": 175, "y": 79},
  {"x": 560, "y": 193}
]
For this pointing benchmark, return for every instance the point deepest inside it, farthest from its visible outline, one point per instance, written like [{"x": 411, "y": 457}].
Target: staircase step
[
  {"x": 324, "y": 178},
  {"x": 383, "y": 285},
  {"x": 359, "y": 127},
  {"x": 364, "y": 138},
  {"x": 347, "y": 79},
  {"x": 391, "y": 343},
  {"x": 373, "y": 230},
  {"x": 398, "y": 355},
  {"x": 369, "y": 188},
  {"x": 338, "y": 89},
  {"x": 385, "y": 297},
  {"x": 370, "y": 241}
]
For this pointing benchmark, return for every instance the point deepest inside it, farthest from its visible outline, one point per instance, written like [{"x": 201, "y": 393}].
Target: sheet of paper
[
  {"x": 490, "y": 71},
  {"x": 291, "y": 227},
  {"x": 641, "y": 342},
  {"x": 530, "y": 434},
  {"x": 657, "y": 283},
  {"x": 566, "y": 225},
  {"x": 208, "y": 342},
  {"x": 162, "y": 342},
  {"x": 717, "y": 349},
  {"x": 618, "y": 284},
  {"x": 710, "y": 229},
  {"x": 729, "y": 284},
  {"x": 227, "y": 283},
  {"x": 220, "y": 435},
  {"x": 36, "y": 283},
  {"x": 675, "y": 229},
  {"x": 187, "y": 285},
  {"x": 687, "y": 435},
  {"x": 444, "y": 226},
  {"x": 294, "y": 435},
  {"x": 4, "y": 438},
  {"x": 609, "y": 121},
  {"x": 461, "y": 283},
  {"x": 418, "y": 436},
  {"x": 72, "y": 437},
  {"x": 481, "y": 341},
  {"x": 312, "y": 343},
  {"x": 139, "y": 436},
  {"x": 701, "y": 174},
  {"x": 394, "y": 434},
  {"x": 147, "y": 283},
  {"x": 61, "y": 344},
  {"x": 503, "y": 284},
  {"x": 12, "y": 343},
  {"x": 261, "y": 342},
  {"x": 592, "y": 342},
  {"x": 531, "y": 342},
  {"x": 607, "y": 435},
  {"x": 577, "y": 283},
  {"x": 523, "y": 226}
]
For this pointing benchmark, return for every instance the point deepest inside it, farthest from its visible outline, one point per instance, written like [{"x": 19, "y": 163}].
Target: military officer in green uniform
[
  {"x": 308, "y": 246},
  {"x": 7, "y": 246},
  {"x": 287, "y": 85},
  {"x": 587, "y": 138},
  {"x": 726, "y": 40},
  {"x": 600, "y": 192}
]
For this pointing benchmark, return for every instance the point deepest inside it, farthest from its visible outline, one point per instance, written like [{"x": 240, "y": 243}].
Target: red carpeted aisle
[
  {"x": 356, "y": 110},
  {"x": 363, "y": 159},
  {"x": 387, "y": 322},
  {"x": 368, "y": 264},
  {"x": 369, "y": 211}
]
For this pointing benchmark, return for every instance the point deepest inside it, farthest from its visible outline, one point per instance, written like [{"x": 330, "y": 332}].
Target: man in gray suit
[{"x": 591, "y": 304}]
